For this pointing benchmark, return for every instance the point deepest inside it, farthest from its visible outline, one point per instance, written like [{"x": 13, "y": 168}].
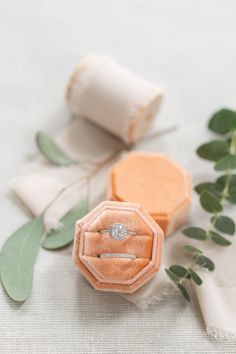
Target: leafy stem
[
  {"x": 232, "y": 148},
  {"x": 213, "y": 197}
]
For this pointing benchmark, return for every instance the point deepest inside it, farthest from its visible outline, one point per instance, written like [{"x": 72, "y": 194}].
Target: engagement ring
[{"x": 118, "y": 232}]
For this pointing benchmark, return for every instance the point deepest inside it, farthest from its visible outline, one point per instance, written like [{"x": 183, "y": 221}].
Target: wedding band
[
  {"x": 117, "y": 255},
  {"x": 118, "y": 231}
]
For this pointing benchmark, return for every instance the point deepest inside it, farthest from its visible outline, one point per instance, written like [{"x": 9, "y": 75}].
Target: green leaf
[
  {"x": 195, "y": 232},
  {"x": 224, "y": 224},
  {"x": 220, "y": 240},
  {"x": 172, "y": 276},
  {"x": 51, "y": 151},
  {"x": 232, "y": 197},
  {"x": 184, "y": 292},
  {"x": 192, "y": 249},
  {"x": 213, "y": 188},
  {"x": 209, "y": 202},
  {"x": 180, "y": 271},
  {"x": 204, "y": 262},
  {"x": 64, "y": 236},
  {"x": 214, "y": 150},
  {"x": 197, "y": 280},
  {"x": 226, "y": 163},
  {"x": 221, "y": 181},
  {"x": 223, "y": 121},
  {"x": 18, "y": 256}
]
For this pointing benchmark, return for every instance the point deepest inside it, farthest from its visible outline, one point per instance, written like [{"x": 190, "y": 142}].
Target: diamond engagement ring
[
  {"x": 118, "y": 232},
  {"x": 117, "y": 255}
]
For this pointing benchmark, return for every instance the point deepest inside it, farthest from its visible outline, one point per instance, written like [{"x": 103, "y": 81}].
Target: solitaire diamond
[{"x": 118, "y": 231}]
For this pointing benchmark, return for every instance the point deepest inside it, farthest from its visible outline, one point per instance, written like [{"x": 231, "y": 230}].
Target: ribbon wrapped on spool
[{"x": 113, "y": 97}]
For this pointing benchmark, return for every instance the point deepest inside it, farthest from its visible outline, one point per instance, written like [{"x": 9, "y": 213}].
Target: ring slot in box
[{"x": 118, "y": 265}]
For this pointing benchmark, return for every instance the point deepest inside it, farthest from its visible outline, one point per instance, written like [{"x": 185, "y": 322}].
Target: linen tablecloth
[{"x": 189, "y": 49}]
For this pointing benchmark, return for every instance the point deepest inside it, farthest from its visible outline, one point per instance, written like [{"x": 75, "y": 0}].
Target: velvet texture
[
  {"x": 156, "y": 182},
  {"x": 118, "y": 274}
]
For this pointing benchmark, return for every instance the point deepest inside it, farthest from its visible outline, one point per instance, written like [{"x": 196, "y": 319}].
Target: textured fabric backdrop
[{"x": 186, "y": 47}]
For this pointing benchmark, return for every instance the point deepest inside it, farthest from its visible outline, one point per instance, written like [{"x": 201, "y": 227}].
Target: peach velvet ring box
[
  {"x": 157, "y": 183},
  {"x": 118, "y": 246}
]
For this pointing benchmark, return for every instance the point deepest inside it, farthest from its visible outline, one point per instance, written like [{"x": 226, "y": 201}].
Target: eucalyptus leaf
[
  {"x": 223, "y": 121},
  {"x": 232, "y": 197},
  {"x": 180, "y": 271},
  {"x": 224, "y": 224},
  {"x": 195, "y": 277},
  {"x": 209, "y": 202},
  {"x": 64, "y": 236},
  {"x": 192, "y": 249},
  {"x": 195, "y": 232},
  {"x": 214, "y": 150},
  {"x": 213, "y": 188},
  {"x": 222, "y": 180},
  {"x": 220, "y": 240},
  {"x": 226, "y": 163},
  {"x": 172, "y": 276},
  {"x": 18, "y": 256},
  {"x": 51, "y": 151},
  {"x": 204, "y": 262},
  {"x": 184, "y": 292}
]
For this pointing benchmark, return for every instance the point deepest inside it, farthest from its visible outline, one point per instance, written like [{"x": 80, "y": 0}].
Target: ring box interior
[{"x": 118, "y": 274}]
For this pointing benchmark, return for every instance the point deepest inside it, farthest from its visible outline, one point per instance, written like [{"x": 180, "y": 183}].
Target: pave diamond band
[
  {"x": 117, "y": 255},
  {"x": 118, "y": 231}
]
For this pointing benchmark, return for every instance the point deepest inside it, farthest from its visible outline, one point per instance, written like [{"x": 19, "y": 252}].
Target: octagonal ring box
[
  {"x": 118, "y": 274},
  {"x": 156, "y": 182}
]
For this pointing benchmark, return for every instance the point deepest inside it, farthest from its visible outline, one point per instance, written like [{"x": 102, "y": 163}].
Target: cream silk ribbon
[{"x": 40, "y": 182}]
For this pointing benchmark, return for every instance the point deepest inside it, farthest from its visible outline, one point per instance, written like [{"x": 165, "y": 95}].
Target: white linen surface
[
  {"x": 186, "y": 47},
  {"x": 217, "y": 300}
]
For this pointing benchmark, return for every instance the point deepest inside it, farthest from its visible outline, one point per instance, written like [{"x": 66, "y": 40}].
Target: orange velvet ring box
[
  {"x": 157, "y": 183},
  {"x": 118, "y": 246}
]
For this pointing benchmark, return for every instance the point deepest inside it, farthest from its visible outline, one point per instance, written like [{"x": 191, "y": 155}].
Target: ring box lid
[{"x": 156, "y": 182}]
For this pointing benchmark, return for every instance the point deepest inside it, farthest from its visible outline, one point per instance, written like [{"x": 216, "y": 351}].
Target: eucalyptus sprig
[{"x": 213, "y": 197}]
